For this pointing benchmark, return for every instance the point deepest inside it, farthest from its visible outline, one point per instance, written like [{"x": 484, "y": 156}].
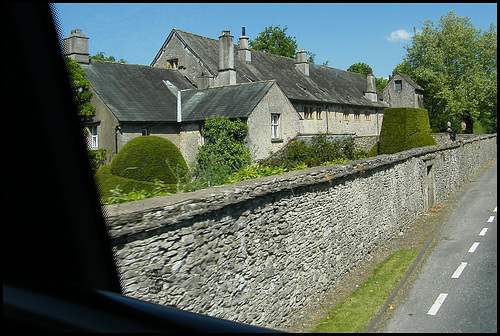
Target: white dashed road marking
[
  {"x": 483, "y": 231},
  {"x": 491, "y": 219},
  {"x": 459, "y": 270},
  {"x": 495, "y": 210},
  {"x": 473, "y": 247},
  {"x": 437, "y": 304}
]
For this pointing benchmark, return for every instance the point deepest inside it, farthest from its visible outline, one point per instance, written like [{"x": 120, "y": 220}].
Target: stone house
[
  {"x": 135, "y": 100},
  {"x": 194, "y": 77},
  {"x": 327, "y": 100},
  {"x": 403, "y": 91}
]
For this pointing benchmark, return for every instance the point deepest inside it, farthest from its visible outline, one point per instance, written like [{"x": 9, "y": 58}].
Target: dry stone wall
[{"x": 259, "y": 251}]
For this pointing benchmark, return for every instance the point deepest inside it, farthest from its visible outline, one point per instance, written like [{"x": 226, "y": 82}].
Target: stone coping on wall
[{"x": 125, "y": 219}]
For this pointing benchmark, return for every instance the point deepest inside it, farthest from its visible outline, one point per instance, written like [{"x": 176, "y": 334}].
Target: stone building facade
[
  {"x": 279, "y": 98},
  {"x": 403, "y": 91}
]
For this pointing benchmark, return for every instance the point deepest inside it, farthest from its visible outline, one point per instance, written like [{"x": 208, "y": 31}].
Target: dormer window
[{"x": 173, "y": 64}]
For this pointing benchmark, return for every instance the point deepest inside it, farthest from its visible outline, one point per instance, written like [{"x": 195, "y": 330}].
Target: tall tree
[
  {"x": 456, "y": 64},
  {"x": 100, "y": 57},
  {"x": 362, "y": 69},
  {"x": 81, "y": 95},
  {"x": 274, "y": 40}
]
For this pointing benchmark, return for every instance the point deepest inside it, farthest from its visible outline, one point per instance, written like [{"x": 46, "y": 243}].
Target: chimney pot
[{"x": 244, "y": 51}]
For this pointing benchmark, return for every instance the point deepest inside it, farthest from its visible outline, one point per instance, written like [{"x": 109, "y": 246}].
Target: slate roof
[
  {"x": 234, "y": 101},
  {"x": 136, "y": 92},
  {"x": 323, "y": 85}
]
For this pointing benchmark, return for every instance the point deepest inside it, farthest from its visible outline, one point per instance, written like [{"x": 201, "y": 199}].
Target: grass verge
[{"x": 355, "y": 312}]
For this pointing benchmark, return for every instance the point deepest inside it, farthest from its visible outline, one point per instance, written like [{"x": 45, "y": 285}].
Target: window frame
[
  {"x": 308, "y": 113},
  {"x": 93, "y": 137},
  {"x": 173, "y": 63},
  {"x": 357, "y": 115},
  {"x": 319, "y": 111},
  {"x": 346, "y": 115},
  {"x": 368, "y": 115},
  {"x": 398, "y": 85},
  {"x": 275, "y": 126}
]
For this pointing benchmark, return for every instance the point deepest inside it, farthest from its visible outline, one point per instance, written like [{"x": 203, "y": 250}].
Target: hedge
[
  {"x": 106, "y": 181},
  {"x": 148, "y": 158},
  {"x": 403, "y": 128}
]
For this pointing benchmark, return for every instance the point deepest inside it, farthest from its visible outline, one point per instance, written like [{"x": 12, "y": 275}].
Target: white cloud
[{"x": 399, "y": 35}]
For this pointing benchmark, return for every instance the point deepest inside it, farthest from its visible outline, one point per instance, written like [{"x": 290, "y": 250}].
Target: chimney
[
  {"x": 227, "y": 74},
  {"x": 204, "y": 81},
  {"x": 301, "y": 62},
  {"x": 371, "y": 89},
  {"x": 76, "y": 46},
  {"x": 244, "y": 52}
]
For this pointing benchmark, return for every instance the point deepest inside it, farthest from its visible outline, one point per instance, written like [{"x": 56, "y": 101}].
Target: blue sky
[{"x": 342, "y": 34}]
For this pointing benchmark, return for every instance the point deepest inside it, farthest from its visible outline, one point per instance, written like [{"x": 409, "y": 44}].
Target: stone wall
[{"x": 259, "y": 251}]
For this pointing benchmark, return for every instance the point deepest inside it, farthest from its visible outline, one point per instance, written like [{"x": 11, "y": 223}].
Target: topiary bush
[
  {"x": 403, "y": 128},
  {"x": 149, "y": 158},
  {"x": 108, "y": 183}
]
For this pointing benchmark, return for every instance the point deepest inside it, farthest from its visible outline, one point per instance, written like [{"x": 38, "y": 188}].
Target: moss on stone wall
[{"x": 403, "y": 128}]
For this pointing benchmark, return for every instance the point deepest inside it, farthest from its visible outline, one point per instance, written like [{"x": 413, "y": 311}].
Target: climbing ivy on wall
[{"x": 223, "y": 152}]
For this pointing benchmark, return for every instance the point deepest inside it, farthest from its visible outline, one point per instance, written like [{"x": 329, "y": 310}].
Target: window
[
  {"x": 275, "y": 126},
  {"x": 145, "y": 131},
  {"x": 398, "y": 85},
  {"x": 308, "y": 112},
  {"x": 318, "y": 113},
  {"x": 357, "y": 113},
  {"x": 173, "y": 63},
  {"x": 368, "y": 115},
  {"x": 93, "y": 140}
]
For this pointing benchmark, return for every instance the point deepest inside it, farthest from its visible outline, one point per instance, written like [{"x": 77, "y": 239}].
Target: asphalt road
[{"x": 456, "y": 288}]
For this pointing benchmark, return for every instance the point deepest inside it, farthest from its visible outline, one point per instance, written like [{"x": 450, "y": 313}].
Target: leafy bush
[
  {"x": 403, "y": 128},
  {"x": 96, "y": 158},
  {"x": 148, "y": 158},
  {"x": 321, "y": 151},
  {"x": 251, "y": 172},
  {"x": 119, "y": 196},
  {"x": 222, "y": 154}
]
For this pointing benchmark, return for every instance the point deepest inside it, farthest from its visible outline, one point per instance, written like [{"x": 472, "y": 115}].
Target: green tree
[
  {"x": 82, "y": 95},
  {"x": 274, "y": 40},
  {"x": 456, "y": 64},
  {"x": 99, "y": 56},
  {"x": 362, "y": 69},
  {"x": 402, "y": 67},
  {"x": 80, "y": 87}
]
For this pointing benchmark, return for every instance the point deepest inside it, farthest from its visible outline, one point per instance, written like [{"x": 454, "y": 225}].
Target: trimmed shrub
[
  {"x": 149, "y": 158},
  {"x": 106, "y": 182},
  {"x": 373, "y": 151},
  {"x": 403, "y": 128}
]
